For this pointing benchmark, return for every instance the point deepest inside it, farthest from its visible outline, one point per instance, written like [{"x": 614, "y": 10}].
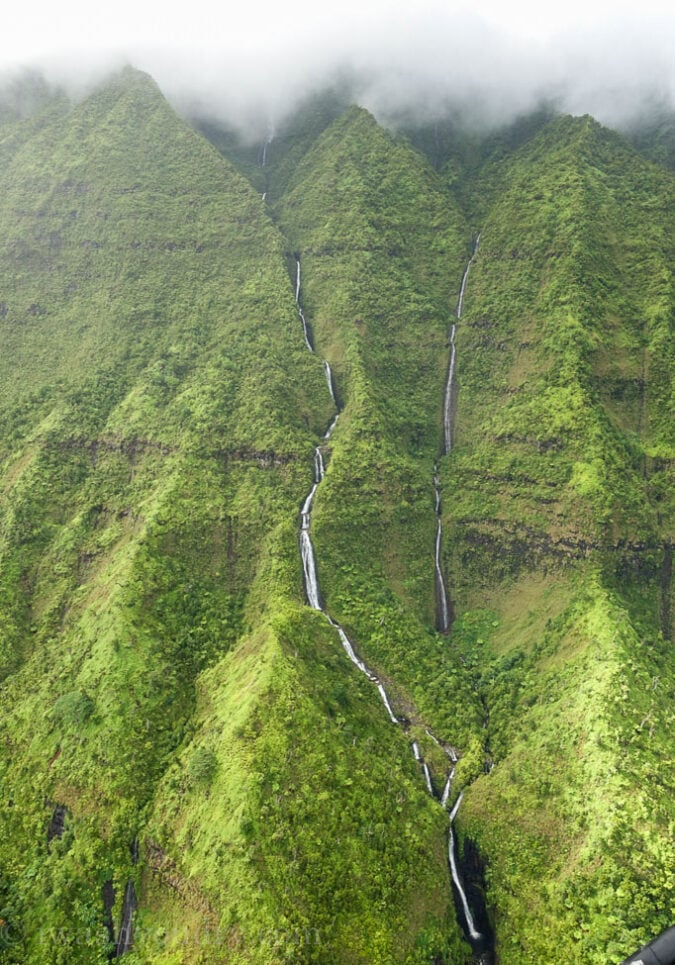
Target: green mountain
[{"x": 193, "y": 768}]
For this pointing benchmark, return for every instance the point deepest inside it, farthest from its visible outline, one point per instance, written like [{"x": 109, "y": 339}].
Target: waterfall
[
  {"x": 313, "y": 594},
  {"x": 329, "y": 430},
  {"x": 262, "y": 157},
  {"x": 456, "y": 807},
  {"x": 447, "y": 789},
  {"x": 443, "y": 615},
  {"x": 125, "y": 937},
  {"x": 442, "y": 608},
  {"x": 447, "y": 404},
  {"x": 427, "y": 778},
  {"x": 385, "y": 700},
  {"x": 465, "y": 276},
  {"x": 303, "y": 320},
  {"x": 319, "y": 470},
  {"x": 311, "y": 580},
  {"x": 441, "y": 593},
  {"x": 450, "y": 382},
  {"x": 309, "y": 567},
  {"x": 473, "y": 932},
  {"x": 306, "y": 510},
  {"x": 305, "y": 332},
  {"x": 269, "y": 137},
  {"x": 329, "y": 379},
  {"x": 351, "y": 653},
  {"x": 307, "y": 553}
]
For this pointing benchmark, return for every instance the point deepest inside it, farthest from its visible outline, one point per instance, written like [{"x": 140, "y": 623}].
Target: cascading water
[
  {"x": 478, "y": 941},
  {"x": 307, "y": 554},
  {"x": 465, "y": 277},
  {"x": 311, "y": 580},
  {"x": 447, "y": 402},
  {"x": 442, "y": 607},
  {"x": 427, "y": 778},
  {"x": 450, "y": 382},
  {"x": 269, "y": 137},
  {"x": 470, "y": 926},
  {"x": 329, "y": 379},
  {"x": 313, "y": 594},
  {"x": 448, "y": 788},
  {"x": 305, "y": 329}
]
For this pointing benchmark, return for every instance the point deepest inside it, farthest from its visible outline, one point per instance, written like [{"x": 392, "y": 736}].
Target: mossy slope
[
  {"x": 159, "y": 411},
  {"x": 162, "y": 677},
  {"x": 559, "y": 536},
  {"x": 382, "y": 248}
]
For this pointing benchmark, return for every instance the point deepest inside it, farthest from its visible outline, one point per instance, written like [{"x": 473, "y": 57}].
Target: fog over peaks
[{"x": 402, "y": 64}]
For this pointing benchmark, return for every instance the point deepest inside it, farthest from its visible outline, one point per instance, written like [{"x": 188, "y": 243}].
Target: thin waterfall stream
[
  {"x": 443, "y": 609},
  {"x": 305, "y": 328},
  {"x": 448, "y": 407},
  {"x": 478, "y": 941},
  {"x": 442, "y": 605}
]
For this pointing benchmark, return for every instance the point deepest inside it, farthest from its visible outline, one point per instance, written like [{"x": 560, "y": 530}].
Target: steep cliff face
[
  {"x": 382, "y": 250},
  {"x": 162, "y": 678},
  {"x": 191, "y": 765},
  {"x": 560, "y": 537}
]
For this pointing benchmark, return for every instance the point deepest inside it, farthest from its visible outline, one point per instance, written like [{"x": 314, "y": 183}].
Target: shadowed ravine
[{"x": 479, "y": 941}]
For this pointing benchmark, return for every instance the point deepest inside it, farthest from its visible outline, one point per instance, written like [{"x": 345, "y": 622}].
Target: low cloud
[{"x": 405, "y": 65}]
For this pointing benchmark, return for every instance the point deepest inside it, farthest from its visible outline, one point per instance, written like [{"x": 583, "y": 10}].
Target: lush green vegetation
[
  {"x": 159, "y": 414},
  {"x": 559, "y": 538},
  {"x": 162, "y": 679}
]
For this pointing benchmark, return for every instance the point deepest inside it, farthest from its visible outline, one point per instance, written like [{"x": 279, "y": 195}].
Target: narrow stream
[
  {"x": 478, "y": 941},
  {"x": 448, "y": 408},
  {"x": 305, "y": 328},
  {"x": 481, "y": 943},
  {"x": 443, "y": 615},
  {"x": 442, "y": 605},
  {"x": 311, "y": 580}
]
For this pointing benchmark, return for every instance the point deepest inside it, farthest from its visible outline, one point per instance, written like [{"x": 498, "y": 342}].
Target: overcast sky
[{"x": 257, "y": 57}]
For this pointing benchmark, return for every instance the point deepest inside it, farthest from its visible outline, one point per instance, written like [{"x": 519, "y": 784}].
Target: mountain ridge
[{"x": 176, "y": 716}]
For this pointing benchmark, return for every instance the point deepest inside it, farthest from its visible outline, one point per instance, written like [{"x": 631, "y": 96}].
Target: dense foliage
[{"x": 173, "y": 714}]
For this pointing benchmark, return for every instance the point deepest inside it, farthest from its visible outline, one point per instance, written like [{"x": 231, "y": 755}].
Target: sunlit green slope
[
  {"x": 382, "y": 250},
  {"x": 163, "y": 679},
  {"x": 559, "y": 542}
]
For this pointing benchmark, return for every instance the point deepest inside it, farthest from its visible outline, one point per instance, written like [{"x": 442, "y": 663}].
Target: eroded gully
[{"x": 479, "y": 942}]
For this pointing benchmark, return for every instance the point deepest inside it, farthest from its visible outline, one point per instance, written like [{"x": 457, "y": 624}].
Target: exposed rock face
[{"x": 58, "y": 822}]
